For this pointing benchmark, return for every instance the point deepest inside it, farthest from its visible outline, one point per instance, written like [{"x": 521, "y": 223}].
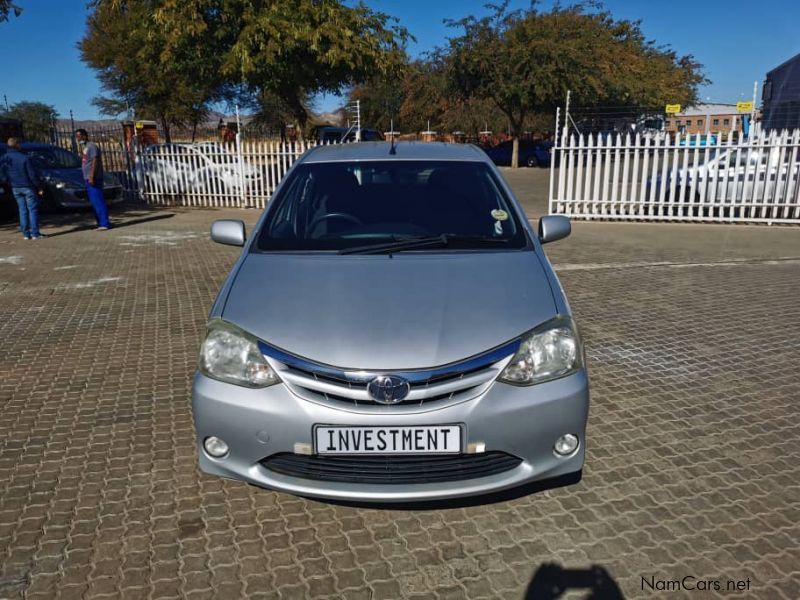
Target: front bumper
[
  {"x": 78, "y": 198},
  {"x": 521, "y": 421}
]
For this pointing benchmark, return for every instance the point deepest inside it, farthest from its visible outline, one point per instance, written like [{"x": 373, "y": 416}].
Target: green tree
[
  {"x": 175, "y": 58},
  {"x": 424, "y": 94},
  {"x": 36, "y": 117},
  {"x": 163, "y": 69},
  {"x": 6, "y": 8},
  {"x": 525, "y": 61},
  {"x": 294, "y": 49},
  {"x": 381, "y": 100}
]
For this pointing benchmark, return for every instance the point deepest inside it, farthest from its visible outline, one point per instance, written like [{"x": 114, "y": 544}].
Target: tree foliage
[
  {"x": 419, "y": 96},
  {"x": 36, "y": 117},
  {"x": 175, "y": 57},
  {"x": 7, "y": 8},
  {"x": 525, "y": 61},
  {"x": 162, "y": 70}
]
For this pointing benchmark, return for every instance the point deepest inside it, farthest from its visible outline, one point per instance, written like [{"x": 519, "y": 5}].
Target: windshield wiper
[{"x": 443, "y": 239}]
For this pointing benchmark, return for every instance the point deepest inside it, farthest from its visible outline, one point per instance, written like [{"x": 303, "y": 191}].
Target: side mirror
[
  {"x": 228, "y": 231},
  {"x": 554, "y": 227}
]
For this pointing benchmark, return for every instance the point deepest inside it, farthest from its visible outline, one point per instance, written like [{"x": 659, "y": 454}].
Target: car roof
[
  {"x": 370, "y": 151},
  {"x": 31, "y": 146}
]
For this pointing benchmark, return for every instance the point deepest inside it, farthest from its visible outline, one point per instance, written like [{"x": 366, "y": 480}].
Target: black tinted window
[
  {"x": 332, "y": 206},
  {"x": 53, "y": 158}
]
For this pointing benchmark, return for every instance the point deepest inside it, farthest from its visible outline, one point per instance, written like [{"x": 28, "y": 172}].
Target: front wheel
[{"x": 532, "y": 161}]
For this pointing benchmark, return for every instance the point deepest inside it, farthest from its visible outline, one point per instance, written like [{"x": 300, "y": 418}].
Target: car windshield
[
  {"x": 337, "y": 206},
  {"x": 53, "y": 158}
]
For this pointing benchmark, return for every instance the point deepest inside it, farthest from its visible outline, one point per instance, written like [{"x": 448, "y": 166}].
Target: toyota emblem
[{"x": 388, "y": 389}]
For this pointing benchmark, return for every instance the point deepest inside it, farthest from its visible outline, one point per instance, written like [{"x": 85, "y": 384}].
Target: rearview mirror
[
  {"x": 228, "y": 231},
  {"x": 554, "y": 227}
]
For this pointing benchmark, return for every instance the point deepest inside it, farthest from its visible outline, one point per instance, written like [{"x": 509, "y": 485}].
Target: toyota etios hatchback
[{"x": 392, "y": 331}]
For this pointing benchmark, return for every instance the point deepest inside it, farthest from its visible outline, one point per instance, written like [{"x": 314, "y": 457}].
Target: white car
[
  {"x": 740, "y": 173},
  {"x": 201, "y": 168}
]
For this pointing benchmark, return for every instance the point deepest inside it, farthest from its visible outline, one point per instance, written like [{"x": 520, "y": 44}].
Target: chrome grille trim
[{"x": 460, "y": 380}]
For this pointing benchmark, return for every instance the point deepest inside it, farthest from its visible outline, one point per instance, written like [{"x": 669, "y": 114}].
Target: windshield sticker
[{"x": 499, "y": 215}]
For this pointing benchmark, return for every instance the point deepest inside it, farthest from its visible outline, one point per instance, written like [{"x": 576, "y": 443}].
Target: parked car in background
[
  {"x": 531, "y": 154},
  {"x": 331, "y": 134},
  {"x": 392, "y": 331},
  {"x": 705, "y": 140},
  {"x": 180, "y": 168},
  {"x": 733, "y": 174},
  {"x": 63, "y": 186}
]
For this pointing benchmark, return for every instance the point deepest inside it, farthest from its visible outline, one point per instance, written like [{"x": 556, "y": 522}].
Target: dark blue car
[
  {"x": 531, "y": 154},
  {"x": 61, "y": 178}
]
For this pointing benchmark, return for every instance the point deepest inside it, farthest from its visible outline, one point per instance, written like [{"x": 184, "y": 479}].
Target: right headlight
[
  {"x": 550, "y": 351},
  {"x": 66, "y": 184},
  {"x": 232, "y": 355}
]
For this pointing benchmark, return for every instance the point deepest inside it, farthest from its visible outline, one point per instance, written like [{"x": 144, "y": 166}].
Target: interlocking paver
[{"x": 693, "y": 341}]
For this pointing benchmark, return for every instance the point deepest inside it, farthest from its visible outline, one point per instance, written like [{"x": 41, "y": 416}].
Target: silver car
[{"x": 392, "y": 331}]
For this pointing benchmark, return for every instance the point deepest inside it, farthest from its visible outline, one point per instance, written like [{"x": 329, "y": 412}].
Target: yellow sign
[
  {"x": 673, "y": 109},
  {"x": 139, "y": 125},
  {"x": 744, "y": 106}
]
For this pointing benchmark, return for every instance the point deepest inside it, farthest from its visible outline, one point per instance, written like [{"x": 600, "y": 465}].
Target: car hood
[
  {"x": 75, "y": 176},
  {"x": 407, "y": 311},
  {"x": 72, "y": 175}
]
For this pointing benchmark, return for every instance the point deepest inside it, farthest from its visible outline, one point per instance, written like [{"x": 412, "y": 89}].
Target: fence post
[
  {"x": 553, "y": 154},
  {"x": 240, "y": 160}
]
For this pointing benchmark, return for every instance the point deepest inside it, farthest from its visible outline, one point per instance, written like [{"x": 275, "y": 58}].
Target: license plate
[{"x": 431, "y": 439}]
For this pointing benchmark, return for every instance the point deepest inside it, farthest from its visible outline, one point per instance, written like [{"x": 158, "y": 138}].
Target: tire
[{"x": 532, "y": 161}]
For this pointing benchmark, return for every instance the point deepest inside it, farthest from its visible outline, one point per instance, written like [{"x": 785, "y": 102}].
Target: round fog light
[
  {"x": 566, "y": 444},
  {"x": 215, "y": 447}
]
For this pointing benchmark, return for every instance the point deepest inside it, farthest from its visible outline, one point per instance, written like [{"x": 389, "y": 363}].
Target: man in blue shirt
[
  {"x": 16, "y": 169},
  {"x": 92, "y": 164}
]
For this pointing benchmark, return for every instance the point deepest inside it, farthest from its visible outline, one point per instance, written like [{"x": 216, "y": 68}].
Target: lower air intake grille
[{"x": 391, "y": 469}]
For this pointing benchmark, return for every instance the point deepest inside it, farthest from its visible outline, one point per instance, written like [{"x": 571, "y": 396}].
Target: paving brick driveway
[{"x": 693, "y": 338}]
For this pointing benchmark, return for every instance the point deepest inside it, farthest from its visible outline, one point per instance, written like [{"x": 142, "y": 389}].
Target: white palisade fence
[
  {"x": 236, "y": 175},
  {"x": 660, "y": 177}
]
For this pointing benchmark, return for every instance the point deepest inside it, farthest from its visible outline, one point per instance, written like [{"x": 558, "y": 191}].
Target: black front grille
[{"x": 391, "y": 469}]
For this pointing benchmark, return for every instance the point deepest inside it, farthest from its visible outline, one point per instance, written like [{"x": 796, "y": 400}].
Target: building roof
[
  {"x": 702, "y": 110},
  {"x": 785, "y": 63},
  {"x": 403, "y": 151}
]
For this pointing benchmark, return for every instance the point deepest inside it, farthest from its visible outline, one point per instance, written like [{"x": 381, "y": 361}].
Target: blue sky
[{"x": 737, "y": 41}]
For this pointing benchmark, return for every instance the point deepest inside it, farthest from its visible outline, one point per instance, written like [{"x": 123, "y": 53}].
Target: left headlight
[
  {"x": 231, "y": 355},
  {"x": 66, "y": 184},
  {"x": 550, "y": 351}
]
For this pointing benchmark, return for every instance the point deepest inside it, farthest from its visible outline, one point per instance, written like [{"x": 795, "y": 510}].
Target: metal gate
[{"x": 661, "y": 177}]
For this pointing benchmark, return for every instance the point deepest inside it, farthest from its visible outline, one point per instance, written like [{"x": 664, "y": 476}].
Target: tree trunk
[
  {"x": 515, "y": 151},
  {"x": 165, "y": 127},
  {"x": 515, "y": 122}
]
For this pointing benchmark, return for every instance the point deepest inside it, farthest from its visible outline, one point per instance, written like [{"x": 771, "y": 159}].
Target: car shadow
[
  {"x": 122, "y": 215},
  {"x": 116, "y": 224},
  {"x": 553, "y": 581},
  {"x": 493, "y": 498}
]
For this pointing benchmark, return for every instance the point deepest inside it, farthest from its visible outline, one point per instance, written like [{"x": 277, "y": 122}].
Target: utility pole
[
  {"x": 240, "y": 160},
  {"x": 354, "y": 108},
  {"x": 5, "y": 99},
  {"x": 72, "y": 128},
  {"x": 753, "y": 112},
  {"x": 358, "y": 120}
]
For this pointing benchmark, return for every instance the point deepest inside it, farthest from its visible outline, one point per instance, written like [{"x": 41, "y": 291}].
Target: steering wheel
[{"x": 334, "y": 215}]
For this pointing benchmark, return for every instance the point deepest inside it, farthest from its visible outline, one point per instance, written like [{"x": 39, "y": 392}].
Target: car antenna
[{"x": 392, "y": 149}]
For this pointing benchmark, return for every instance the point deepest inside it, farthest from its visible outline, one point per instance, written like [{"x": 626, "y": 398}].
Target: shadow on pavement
[
  {"x": 115, "y": 224},
  {"x": 552, "y": 581},
  {"x": 122, "y": 215},
  {"x": 502, "y": 496}
]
